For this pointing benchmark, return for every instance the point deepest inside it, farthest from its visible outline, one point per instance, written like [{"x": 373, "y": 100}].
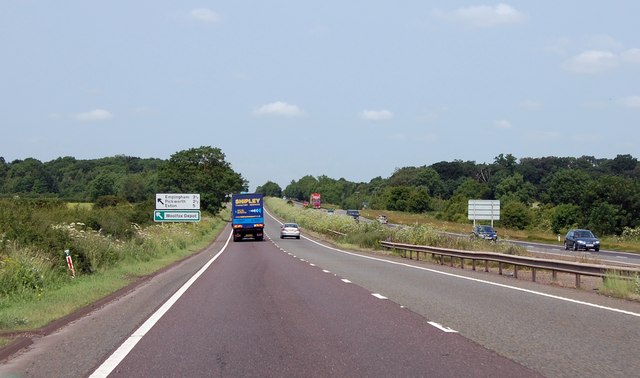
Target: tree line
[
  {"x": 124, "y": 179},
  {"x": 548, "y": 193}
]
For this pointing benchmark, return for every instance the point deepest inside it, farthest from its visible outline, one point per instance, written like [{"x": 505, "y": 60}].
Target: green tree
[
  {"x": 515, "y": 214},
  {"x": 516, "y": 186},
  {"x": 103, "y": 185},
  {"x": 134, "y": 188},
  {"x": 204, "y": 171},
  {"x": 604, "y": 219},
  {"x": 565, "y": 216},
  {"x": 28, "y": 176},
  {"x": 567, "y": 186},
  {"x": 270, "y": 188}
]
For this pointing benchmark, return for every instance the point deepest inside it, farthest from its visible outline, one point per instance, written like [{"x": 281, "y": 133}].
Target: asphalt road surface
[{"x": 299, "y": 308}]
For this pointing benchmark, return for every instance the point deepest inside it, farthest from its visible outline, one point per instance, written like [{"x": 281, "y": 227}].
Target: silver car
[{"x": 290, "y": 230}]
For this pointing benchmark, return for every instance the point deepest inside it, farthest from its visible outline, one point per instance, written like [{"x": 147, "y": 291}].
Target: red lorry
[{"x": 315, "y": 200}]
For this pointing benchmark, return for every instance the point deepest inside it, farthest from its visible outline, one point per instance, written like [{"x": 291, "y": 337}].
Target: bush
[
  {"x": 565, "y": 217},
  {"x": 23, "y": 270}
]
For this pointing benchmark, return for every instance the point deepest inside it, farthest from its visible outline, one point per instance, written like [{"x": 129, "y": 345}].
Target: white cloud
[
  {"x": 376, "y": 115},
  {"x": 94, "y": 115},
  {"x": 631, "y": 102},
  {"x": 631, "y": 56},
  {"x": 596, "y": 61},
  {"x": 484, "y": 15},
  {"x": 278, "y": 108},
  {"x": 204, "y": 15},
  {"x": 502, "y": 124},
  {"x": 592, "y": 61}
]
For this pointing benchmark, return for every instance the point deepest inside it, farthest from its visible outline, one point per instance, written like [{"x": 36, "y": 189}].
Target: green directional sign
[{"x": 176, "y": 216}]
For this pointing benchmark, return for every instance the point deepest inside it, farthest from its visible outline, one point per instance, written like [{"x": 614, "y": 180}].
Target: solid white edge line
[
  {"x": 125, "y": 348},
  {"x": 442, "y": 328},
  {"x": 474, "y": 279}
]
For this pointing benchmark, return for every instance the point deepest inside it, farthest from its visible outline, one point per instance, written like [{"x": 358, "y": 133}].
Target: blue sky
[{"x": 345, "y": 89}]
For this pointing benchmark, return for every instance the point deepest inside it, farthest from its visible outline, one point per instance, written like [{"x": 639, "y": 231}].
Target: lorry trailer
[{"x": 247, "y": 216}]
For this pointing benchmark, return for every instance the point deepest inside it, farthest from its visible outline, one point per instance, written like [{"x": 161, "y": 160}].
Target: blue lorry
[{"x": 247, "y": 216}]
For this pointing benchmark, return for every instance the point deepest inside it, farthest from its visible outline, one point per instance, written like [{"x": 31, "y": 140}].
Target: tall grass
[{"x": 627, "y": 288}]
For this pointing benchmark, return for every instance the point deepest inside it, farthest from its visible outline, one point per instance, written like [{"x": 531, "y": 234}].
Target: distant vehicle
[
  {"x": 247, "y": 216},
  {"x": 484, "y": 232},
  {"x": 354, "y": 213},
  {"x": 581, "y": 239},
  {"x": 315, "y": 200},
  {"x": 383, "y": 219},
  {"x": 290, "y": 230}
]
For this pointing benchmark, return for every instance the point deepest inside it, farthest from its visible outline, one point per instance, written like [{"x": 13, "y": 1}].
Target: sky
[{"x": 347, "y": 89}]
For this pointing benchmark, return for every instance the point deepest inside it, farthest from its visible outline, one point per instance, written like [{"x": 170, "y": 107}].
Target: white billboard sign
[
  {"x": 177, "y": 201},
  {"x": 484, "y": 210}
]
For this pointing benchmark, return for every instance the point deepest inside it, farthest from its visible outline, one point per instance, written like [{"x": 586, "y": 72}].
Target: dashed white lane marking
[
  {"x": 312, "y": 264},
  {"x": 443, "y": 328},
  {"x": 346, "y": 280},
  {"x": 326, "y": 271},
  {"x": 379, "y": 296}
]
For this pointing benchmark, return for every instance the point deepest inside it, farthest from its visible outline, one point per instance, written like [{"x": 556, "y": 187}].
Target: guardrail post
[
  {"x": 554, "y": 275},
  {"x": 451, "y": 261},
  {"x": 515, "y": 271},
  {"x": 577, "y": 281},
  {"x": 461, "y": 263},
  {"x": 486, "y": 266},
  {"x": 500, "y": 268},
  {"x": 533, "y": 274},
  {"x": 473, "y": 264}
]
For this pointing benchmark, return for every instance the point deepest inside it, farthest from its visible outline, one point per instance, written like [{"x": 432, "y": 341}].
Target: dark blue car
[
  {"x": 484, "y": 232},
  {"x": 581, "y": 239},
  {"x": 354, "y": 213}
]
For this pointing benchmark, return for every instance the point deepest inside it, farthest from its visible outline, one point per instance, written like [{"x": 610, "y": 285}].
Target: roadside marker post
[{"x": 67, "y": 255}]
